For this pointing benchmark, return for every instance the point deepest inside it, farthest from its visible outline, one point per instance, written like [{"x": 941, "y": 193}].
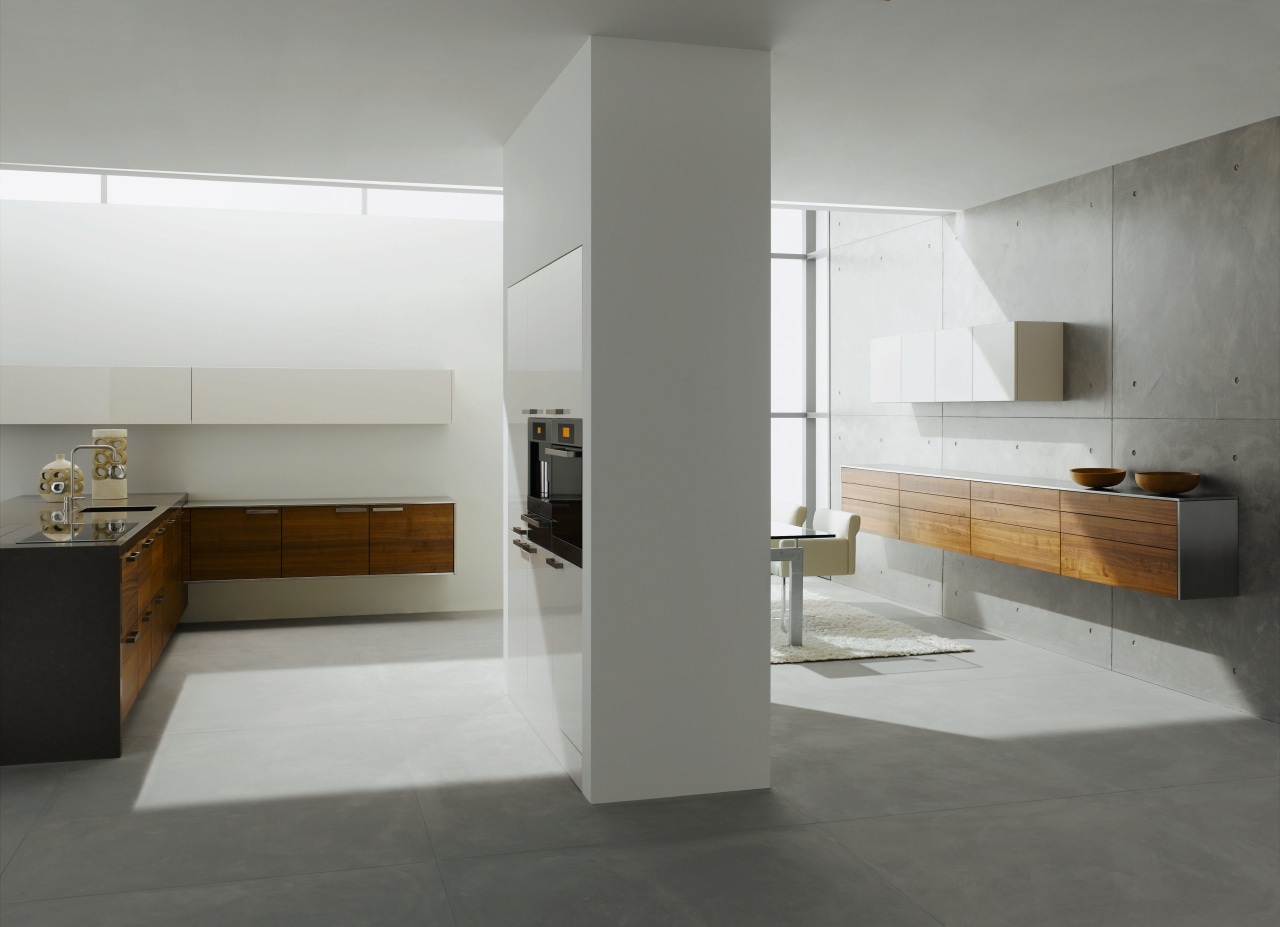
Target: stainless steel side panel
[{"x": 1208, "y": 548}]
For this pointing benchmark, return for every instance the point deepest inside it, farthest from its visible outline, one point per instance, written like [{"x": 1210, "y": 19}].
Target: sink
[{"x": 118, "y": 508}]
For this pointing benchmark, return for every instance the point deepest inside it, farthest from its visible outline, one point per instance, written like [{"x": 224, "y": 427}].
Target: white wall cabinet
[
  {"x": 49, "y": 395},
  {"x": 1004, "y": 362},
  {"x": 544, "y": 338},
  {"x": 1017, "y": 361},
  {"x": 277, "y": 396}
]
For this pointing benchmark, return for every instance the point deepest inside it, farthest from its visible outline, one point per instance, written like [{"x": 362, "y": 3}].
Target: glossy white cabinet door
[
  {"x": 917, "y": 367},
  {"x": 1039, "y": 348},
  {"x": 885, "y": 369},
  {"x": 953, "y": 365},
  {"x": 995, "y": 362}
]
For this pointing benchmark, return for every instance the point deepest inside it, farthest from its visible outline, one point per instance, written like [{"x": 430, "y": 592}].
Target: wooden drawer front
[
  {"x": 129, "y": 591},
  {"x": 869, "y": 477},
  {"x": 235, "y": 543},
  {"x": 146, "y": 567},
  {"x": 876, "y": 494},
  {"x": 876, "y": 519},
  {"x": 1146, "y": 533},
  {"x": 1114, "y": 563},
  {"x": 943, "y": 505},
  {"x": 934, "y": 485},
  {"x": 328, "y": 540},
  {"x": 411, "y": 539},
  {"x": 1024, "y": 547},
  {"x": 1021, "y": 515},
  {"x": 1132, "y": 508},
  {"x": 128, "y": 675},
  {"x": 1015, "y": 495},
  {"x": 950, "y": 532}
]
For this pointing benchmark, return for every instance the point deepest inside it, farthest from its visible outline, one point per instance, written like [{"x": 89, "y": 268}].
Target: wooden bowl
[
  {"x": 1098, "y": 477},
  {"x": 1167, "y": 482}
]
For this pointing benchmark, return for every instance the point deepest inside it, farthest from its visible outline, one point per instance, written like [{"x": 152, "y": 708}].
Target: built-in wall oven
[{"x": 553, "y": 510}]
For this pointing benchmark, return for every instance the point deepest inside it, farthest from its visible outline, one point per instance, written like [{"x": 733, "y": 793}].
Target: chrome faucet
[{"x": 69, "y": 500}]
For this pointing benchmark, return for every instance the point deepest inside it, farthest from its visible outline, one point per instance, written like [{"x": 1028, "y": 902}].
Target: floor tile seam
[
  {"x": 216, "y": 882},
  {"x": 607, "y": 844},
  {"x": 975, "y": 807},
  {"x": 937, "y": 677},
  {"x": 283, "y": 727},
  {"x": 1218, "y": 705},
  {"x": 885, "y": 877},
  {"x": 1204, "y": 782}
]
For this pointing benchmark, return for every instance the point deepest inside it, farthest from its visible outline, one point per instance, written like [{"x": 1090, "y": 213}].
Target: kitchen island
[{"x": 82, "y": 620}]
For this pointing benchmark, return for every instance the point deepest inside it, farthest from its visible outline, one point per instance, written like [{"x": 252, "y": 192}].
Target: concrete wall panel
[
  {"x": 887, "y": 285},
  {"x": 1032, "y": 447},
  {"x": 1064, "y": 615},
  {"x": 1041, "y": 256},
  {"x": 1224, "y": 650},
  {"x": 1197, "y": 279},
  {"x": 848, "y": 227}
]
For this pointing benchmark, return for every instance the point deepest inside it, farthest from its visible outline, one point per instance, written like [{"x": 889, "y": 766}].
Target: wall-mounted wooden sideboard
[{"x": 1175, "y": 547}]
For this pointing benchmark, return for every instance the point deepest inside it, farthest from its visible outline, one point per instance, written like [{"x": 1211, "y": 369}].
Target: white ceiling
[{"x": 925, "y": 103}]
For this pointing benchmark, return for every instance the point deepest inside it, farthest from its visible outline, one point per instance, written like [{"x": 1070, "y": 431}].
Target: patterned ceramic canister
[
  {"x": 109, "y": 482},
  {"x": 56, "y": 473}
]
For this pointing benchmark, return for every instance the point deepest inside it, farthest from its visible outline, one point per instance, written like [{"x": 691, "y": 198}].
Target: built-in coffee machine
[{"x": 553, "y": 511}]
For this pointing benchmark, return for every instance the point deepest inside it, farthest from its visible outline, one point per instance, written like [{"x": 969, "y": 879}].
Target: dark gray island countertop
[{"x": 20, "y": 519}]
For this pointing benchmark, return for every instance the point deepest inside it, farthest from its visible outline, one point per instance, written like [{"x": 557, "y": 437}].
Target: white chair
[
  {"x": 835, "y": 556},
  {"x": 788, "y": 513}
]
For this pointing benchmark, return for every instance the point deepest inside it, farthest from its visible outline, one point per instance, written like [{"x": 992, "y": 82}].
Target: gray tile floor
[{"x": 372, "y": 772}]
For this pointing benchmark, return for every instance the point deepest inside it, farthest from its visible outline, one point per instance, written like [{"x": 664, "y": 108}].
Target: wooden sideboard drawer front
[
  {"x": 869, "y": 477},
  {"x": 876, "y": 494},
  {"x": 1133, "y": 508},
  {"x": 943, "y": 505},
  {"x": 934, "y": 485},
  {"x": 1015, "y": 495},
  {"x": 1114, "y": 563},
  {"x": 949, "y": 532},
  {"x": 1024, "y": 547},
  {"x": 876, "y": 519},
  {"x": 1020, "y": 515},
  {"x": 1148, "y": 534}
]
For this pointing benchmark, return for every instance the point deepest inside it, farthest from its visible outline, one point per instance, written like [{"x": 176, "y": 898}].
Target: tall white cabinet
[{"x": 544, "y": 601}]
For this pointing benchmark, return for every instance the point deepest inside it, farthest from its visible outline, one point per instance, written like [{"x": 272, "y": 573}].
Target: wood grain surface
[
  {"x": 1145, "y": 533},
  {"x": 415, "y": 539},
  {"x": 935, "y": 485},
  {"x": 927, "y": 502},
  {"x": 1134, "y": 508},
  {"x": 876, "y": 518},
  {"x": 869, "y": 477},
  {"x": 1114, "y": 563},
  {"x": 324, "y": 540},
  {"x": 1024, "y": 516},
  {"x": 1024, "y": 547},
  {"x": 232, "y": 544},
  {"x": 1015, "y": 495},
  {"x": 949, "y": 532}
]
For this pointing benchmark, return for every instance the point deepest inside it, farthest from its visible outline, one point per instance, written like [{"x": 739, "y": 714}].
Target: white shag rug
[{"x": 836, "y": 630}]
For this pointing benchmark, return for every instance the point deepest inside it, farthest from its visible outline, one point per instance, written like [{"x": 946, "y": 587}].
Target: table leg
[{"x": 797, "y": 598}]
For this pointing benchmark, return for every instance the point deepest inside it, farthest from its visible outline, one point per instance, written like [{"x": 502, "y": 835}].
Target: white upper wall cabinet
[
  {"x": 917, "y": 367},
  {"x": 886, "y": 369},
  {"x": 544, "y": 338},
  {"x": 953, "y": 365},
  {"x": 48, "y": 395},
  {"x": 1017, "y": 361},
  {"x": 279, "y": 396},
  {"x": 1004, "y": 362}
]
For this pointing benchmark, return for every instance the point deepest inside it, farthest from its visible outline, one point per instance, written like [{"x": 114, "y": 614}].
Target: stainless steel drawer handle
[
  {"x": 147, "y": 616},
  {"x": 388, "y": 508},
  {"x": 527, "y": 548},
  {"x": 132, "y": 557},
  {"x": 554, "y": 563},
  {"x": 530, "y": 411},
  {"x": 562, "y": 452},
  {"x": 160, "y": 531},
  {"x": 172, "y": 521},
  {"x": 131, "y": 637},
  {"x": 557, "y": 411},
  {"x": 350, "y": 509},
  {"x": 262, "y": 511},
  {"x": 536, "y": 520},
  {"x": 148, "y": 542},
  {"x": 520, "y": 531}
]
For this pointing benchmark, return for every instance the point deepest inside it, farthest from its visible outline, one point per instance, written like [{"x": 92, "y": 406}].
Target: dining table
[{"x": 793, "y": 555}]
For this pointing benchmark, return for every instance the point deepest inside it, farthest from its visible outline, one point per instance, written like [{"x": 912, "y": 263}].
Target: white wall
[{"x": 84, "y": 284}]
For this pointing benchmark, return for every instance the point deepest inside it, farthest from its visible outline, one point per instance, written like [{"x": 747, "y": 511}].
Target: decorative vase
[
  {"x": 58, "y": 472},
  {"x": 110, "y": 476}
]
